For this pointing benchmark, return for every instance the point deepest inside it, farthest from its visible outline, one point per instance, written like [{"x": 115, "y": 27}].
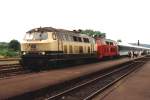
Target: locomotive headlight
[
  {"x": 24, "y": 53},
  {"x": 43, "y": 53}
]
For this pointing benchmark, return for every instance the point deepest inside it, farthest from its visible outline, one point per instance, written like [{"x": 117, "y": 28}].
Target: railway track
[
  {"x": 86, "y": 87},
  {"x": 87, "y": 90},
  {"x": 10, "y": 59},
  {"x": 8, "y": 70}
]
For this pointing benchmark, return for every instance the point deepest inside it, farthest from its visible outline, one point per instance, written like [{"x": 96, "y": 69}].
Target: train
[{"x": 44, "y": 46}]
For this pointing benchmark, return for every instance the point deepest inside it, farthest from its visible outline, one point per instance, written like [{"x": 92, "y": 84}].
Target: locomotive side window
[
  {"x": 79, "y": 39},
  {"x": 54, "y": 36},
  {"x": 70, "y": 38},
  {"x": 86, "y": 40},
  {"x": 75, "y": 38},
  {"x": 61, "y": 36},
  {"x": 111, "y": 43},
  {"x": 66, "y": 36},
  {"x": 107, "y": 42}
]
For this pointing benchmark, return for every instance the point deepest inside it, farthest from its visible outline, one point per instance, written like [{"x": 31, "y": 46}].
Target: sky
[{"x": 128, "y": 20}]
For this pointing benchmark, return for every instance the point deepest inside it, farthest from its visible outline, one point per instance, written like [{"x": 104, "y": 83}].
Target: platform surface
[
  {"x": 26, "y": 83},
  {"x": 135, "y": 87}
]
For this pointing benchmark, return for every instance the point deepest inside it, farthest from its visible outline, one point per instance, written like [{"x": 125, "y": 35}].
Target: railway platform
[
  {"x": 22, "y": 84},
  {"x": 135, "y": 87}
]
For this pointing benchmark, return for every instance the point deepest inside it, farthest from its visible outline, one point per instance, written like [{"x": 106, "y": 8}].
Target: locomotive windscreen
[{"x": 36, "y": 36}]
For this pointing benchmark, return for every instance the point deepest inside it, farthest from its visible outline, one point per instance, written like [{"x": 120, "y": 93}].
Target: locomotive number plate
[{"x": 33, "y": 47}]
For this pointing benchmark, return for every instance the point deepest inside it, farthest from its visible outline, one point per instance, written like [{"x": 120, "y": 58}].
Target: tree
[
  {"x": 93, "y": 33},
  {"x": 14, "y": 45},
  {"x": 119, "y": 40}
]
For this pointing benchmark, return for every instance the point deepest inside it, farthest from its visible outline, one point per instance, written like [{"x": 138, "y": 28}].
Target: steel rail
[
  {"x": 59, "y": 95},
  {"x": 9, "y": 70},
  {"x": 110, "y": 84},
  {"x": 10, "y": 59}
]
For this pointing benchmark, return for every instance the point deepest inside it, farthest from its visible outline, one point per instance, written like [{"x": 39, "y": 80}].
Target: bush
[{"x": 14, "y": 45}]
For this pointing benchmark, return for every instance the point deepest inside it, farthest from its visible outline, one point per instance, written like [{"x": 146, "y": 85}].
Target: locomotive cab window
[
  {"x": 40, "y": 36},
  {"x": 36, "y": 36},
  {"x": 29, "y": 36}
]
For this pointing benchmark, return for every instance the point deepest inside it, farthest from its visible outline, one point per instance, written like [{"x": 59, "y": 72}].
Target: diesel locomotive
[{"x": 42, "y": 46}]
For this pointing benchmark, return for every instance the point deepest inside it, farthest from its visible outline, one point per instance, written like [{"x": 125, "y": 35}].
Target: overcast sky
[{"x": 128, "y": 20}]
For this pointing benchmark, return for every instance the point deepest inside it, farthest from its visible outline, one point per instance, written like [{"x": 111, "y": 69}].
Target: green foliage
[
  {"x": 119, "y": 40},
  {"x": 14, "y": 45},
  {"x": 93, "y": 33},
  {"x": 8, "y": 53},
  {"x": 3, "y": 45},
  {"x": 5, "y": 51}
]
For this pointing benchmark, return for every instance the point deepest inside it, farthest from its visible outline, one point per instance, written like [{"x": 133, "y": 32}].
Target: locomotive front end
[{"x": 36, "y": 47}]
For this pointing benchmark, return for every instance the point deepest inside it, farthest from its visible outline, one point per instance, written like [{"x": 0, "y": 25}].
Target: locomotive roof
[
  {"x": 51, "y": 29},
  {"x": 48, "y": 29}
]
